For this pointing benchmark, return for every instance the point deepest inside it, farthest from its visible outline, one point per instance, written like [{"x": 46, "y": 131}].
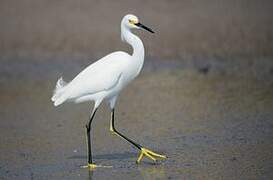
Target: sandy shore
[
  {"x": 204, "y": 98},
  {"x": 211, "y": 125}
]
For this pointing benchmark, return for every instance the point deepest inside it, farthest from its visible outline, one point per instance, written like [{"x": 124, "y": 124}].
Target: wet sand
[
  {"x": 205, "y": 97},
  {"x": 211, "y": 125}
]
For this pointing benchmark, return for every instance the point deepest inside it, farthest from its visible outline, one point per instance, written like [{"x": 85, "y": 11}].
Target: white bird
[{"x": 104, "y": 79}]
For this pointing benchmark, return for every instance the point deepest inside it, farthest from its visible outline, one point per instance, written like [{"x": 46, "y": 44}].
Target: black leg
[
  {"x": 88, "y": 130},
  {"x": 121, "y": 135}
]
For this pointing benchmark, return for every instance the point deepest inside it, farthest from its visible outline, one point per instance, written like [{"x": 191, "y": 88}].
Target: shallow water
[{"x": 211, "y": 125}]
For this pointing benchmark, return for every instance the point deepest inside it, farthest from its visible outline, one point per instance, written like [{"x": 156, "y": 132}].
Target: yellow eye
[{"x": 133, "y": 21}]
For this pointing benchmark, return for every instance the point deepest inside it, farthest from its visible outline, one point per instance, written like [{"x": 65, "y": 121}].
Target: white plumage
[{"x": 105, "y": 78}]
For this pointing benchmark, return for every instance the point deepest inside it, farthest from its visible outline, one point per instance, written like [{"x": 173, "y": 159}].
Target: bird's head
[{"x": 131, "y": 22}]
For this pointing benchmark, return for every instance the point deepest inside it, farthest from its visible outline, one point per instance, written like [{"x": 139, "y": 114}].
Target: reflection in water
[
  {"x": 90, "y": 174},
  {"x": 213, "y": 121},
  {"x": 152, "y": 173}
]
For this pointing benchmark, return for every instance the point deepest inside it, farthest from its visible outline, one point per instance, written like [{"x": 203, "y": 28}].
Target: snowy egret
[{"x": 104, "y": 79}]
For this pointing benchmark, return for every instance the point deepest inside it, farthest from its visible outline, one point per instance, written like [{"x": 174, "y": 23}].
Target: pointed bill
[{"x": 144, "y": 27}]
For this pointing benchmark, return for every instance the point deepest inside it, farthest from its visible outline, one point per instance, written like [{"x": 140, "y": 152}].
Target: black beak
[{"x": 144, "y": 27}]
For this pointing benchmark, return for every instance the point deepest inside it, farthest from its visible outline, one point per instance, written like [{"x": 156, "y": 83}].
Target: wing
[{"x": 100, "y": 76}]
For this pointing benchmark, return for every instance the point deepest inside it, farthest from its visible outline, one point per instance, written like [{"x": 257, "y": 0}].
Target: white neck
[{"x": 136, "y": 43}]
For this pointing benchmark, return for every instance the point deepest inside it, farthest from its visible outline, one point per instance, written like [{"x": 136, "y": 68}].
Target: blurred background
[
  {"x": 205, "y": 96},
  {"x": 183, "y": 28}
]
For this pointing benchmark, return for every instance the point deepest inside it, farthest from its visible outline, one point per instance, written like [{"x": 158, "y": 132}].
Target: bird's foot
[
  {"x": 92, "y": 166},
  {"x": 150, "y": 154}
]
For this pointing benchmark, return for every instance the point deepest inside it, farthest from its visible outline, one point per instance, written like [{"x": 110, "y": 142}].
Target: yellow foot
[
  {"x": 150, "y": 154},
  {"x": 93, "y": 166},
  {"x": 90, "y": 166}
]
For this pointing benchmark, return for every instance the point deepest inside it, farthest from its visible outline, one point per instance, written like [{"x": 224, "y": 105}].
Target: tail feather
[
  {"x": 60, "y": 100},
  {"x": 58, "y": 97}
]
